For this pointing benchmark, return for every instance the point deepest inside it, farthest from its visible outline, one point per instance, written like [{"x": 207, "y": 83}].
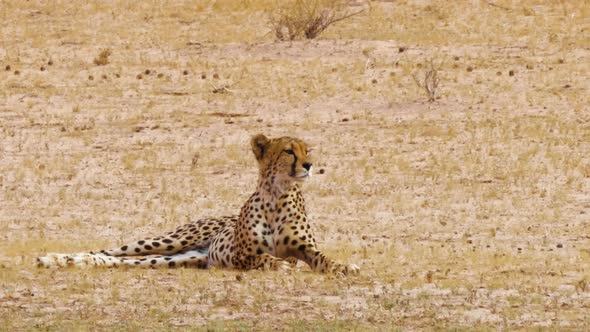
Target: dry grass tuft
[{"x": 102, "y": 58}]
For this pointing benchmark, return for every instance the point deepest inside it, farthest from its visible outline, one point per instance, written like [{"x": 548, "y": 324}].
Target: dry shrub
[
  {"x": 428, "y": 80},
  {"x": 296, "y": 19},
  {"x": 103, "y": 57}
]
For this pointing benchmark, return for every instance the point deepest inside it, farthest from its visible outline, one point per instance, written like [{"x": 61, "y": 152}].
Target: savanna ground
[{"x": 470, "y": 212}]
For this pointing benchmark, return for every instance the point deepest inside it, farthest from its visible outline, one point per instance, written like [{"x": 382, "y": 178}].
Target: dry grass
[{"x": 470, "y": 212}]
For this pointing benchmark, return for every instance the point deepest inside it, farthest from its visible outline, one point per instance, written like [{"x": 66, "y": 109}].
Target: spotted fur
[{"x": 271, "y": 232}]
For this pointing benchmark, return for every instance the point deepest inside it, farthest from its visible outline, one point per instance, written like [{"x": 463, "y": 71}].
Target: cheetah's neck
[{"x": 273, "y": 190}]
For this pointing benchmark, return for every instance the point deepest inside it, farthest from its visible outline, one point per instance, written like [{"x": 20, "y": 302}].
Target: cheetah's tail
[
  {"x": 187, "y": 245},
  {"x": 191, "y": 258}
]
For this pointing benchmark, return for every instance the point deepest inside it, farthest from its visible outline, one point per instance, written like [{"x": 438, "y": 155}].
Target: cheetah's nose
[{"x": 307, "y": 166}]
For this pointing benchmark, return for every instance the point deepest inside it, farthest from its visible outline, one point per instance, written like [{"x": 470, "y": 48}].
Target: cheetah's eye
[{"x": 289, "y": 151}]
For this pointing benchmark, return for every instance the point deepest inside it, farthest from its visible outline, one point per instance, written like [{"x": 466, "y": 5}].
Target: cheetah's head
[{"x": 285, "y": 158}]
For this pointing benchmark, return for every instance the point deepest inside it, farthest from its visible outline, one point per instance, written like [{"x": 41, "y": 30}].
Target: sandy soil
[{"x": 468, "y": 212}]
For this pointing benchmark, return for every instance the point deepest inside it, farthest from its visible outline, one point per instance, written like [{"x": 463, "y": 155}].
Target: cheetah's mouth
[{"x": 302, "y": 176}]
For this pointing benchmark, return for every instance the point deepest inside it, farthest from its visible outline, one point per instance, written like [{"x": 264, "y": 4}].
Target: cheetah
[{"x": 271, "y": 232}]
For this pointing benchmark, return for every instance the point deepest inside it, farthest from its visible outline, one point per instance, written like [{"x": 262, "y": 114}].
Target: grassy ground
[{"x": 471, "y": 212}]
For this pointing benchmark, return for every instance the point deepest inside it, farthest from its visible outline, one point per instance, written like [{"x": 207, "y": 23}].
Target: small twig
[
  {"x": 221, "y": 89},
  {"x": 497, "y": 6},
  {"x": 346, "y": 16}
]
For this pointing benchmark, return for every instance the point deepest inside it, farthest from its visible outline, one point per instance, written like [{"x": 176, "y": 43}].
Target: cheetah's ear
[{"x": 259, "y": 145}]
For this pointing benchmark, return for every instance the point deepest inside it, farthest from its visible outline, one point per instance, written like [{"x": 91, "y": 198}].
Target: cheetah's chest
[{"x": 264, "y": 232}]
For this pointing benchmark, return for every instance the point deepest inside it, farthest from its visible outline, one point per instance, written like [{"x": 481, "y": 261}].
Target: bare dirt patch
[{"x": 467, "y": 212}]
